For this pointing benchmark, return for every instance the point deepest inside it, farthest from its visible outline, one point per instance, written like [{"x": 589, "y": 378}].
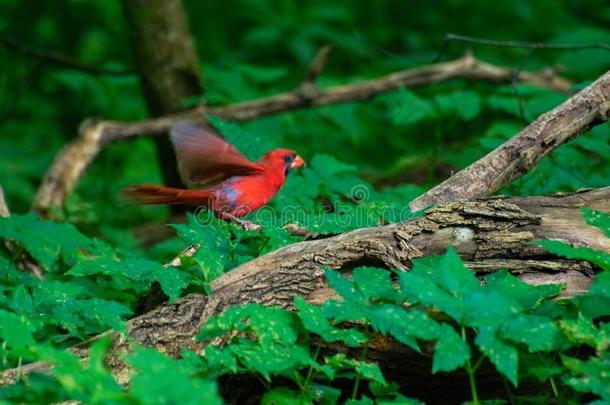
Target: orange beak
[{"x": 297, "y": 162}]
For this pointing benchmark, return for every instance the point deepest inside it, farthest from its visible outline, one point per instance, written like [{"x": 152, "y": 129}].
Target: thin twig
[
  {"x": 514, "y": 86},
  {"x": 526, "y": 44},
  {"x": 516, "y": 44},
  {"x": 317, "y": 64},
  {"x": 61, "y": 60}
]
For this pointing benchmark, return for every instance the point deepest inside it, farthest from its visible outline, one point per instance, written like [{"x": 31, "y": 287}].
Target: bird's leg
[{"x": 247, "y": 225}]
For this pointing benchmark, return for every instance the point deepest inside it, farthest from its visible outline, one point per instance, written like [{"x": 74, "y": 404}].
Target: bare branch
[
  {"x": 318, "y": 63},
  {"x": 70, "y": 164},
  {"x": 525, "y": 44},
  {"x": 60, "y": 60},
  {"x": 519, "y": 154}
]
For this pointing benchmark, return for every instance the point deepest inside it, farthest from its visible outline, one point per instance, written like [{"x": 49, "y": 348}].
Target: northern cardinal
[{"x": 226, "y": 182}]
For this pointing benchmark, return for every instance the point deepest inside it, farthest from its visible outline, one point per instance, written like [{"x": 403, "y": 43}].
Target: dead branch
[
  {"x": 519, "y": 154},
  {"x": 70, "y": 164},
  {"x": 317, "y": 64},
  {"x": 489, "y": 234},
  {"x": 526, "y": 44}
]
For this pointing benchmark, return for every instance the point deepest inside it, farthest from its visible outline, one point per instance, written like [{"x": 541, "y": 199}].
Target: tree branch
[
  {"x": 73, "y": 160},
  {"x": 519, "y": 154},
  {"x": 318, "y": 63},
  {"x": 526, "y": 44},
  {"x": 61, "y": 60}
]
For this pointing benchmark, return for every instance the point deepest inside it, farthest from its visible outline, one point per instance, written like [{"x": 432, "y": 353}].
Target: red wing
[{"x": 205, "y": 158}]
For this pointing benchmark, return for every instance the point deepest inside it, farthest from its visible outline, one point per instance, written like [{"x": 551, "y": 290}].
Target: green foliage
[
  {"x": 157, "y": 379},
  {"x": 366, "y": 161},
  {"x": 516, "y": 327},
  {"x": 88, "y": 286},
  {"x": 45, "y": 241}
]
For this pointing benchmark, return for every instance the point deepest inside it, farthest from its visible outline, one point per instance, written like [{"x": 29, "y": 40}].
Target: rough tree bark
[
  {"x": 524, "y": 150},
  {"x": 167, "y": 63},
  {"x": 489, "y": 234}
]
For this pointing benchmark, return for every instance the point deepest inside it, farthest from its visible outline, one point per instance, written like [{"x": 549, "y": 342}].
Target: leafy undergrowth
[{"x": 88, "y": 288}]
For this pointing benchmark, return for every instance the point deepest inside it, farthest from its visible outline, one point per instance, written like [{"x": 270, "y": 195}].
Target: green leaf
[
  {"x": 173, "y": 281},
  {"x": 598, "y": 219},
  {"x": 540, "y": 366},
  {"x": 327, "y": 166},
  {"x": 455, "y": 277},
  {"x": 536, "y": 332},
  {"x": 590, "y": 375},
  {"x": 467, "y": 104},
  {"x": 323, "y": 394},
  {"x": 46, "y": 241},
  {"x": 91, "y": 315},
  {"x": 404, "y": 325},
  {"x": 161, "y": 380},
  {"x": 582, "y": 253},
  {"x": 131, "y": 273},
  {"x": 22, "y": 301},
  {"x": 370, "y": 372},
  {"x": 489, "y": 308},
  {"x": 344, "y": 287},
  {"x": 502, "y": 355},
  {"x": 284, "y": 396},
  {"x": 312, "y": 317},
  {"x": 364, "y": 400},
  {"x": 424, "y": 290},
  {"x": 224, "y": 323},
  {"x": 407, "y": 108},
  {"x": 373, "y": 282},
  {"x": 220, "y": 360},
  {"x": 601, "y": 285},
  {"x": 593, "y": 305},
  {"x": 314, "y": 321},
  {"x": 583, "y": 331},
  {"x": 271, "y": 358},
  {"x": 441, "y": 281},
  {"x": 15, "y": 330},
  {"x": 528, "y": 296},
  {"x": 92, "y": 383},
  {"x": 450, "y": 352}
]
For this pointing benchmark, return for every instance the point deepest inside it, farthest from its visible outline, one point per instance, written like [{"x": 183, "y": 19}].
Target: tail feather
[{"x": 154, "y": 194}]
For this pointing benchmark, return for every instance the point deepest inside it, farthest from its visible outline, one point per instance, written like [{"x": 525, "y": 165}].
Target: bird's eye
[{"x": 289, "y": 158}]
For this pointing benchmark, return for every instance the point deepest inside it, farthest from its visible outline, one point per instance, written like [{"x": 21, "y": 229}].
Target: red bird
[{"x": 227, "y": 182}]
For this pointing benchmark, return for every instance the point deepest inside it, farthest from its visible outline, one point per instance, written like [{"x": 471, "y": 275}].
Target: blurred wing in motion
[{"x": 204, "y": 158}]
